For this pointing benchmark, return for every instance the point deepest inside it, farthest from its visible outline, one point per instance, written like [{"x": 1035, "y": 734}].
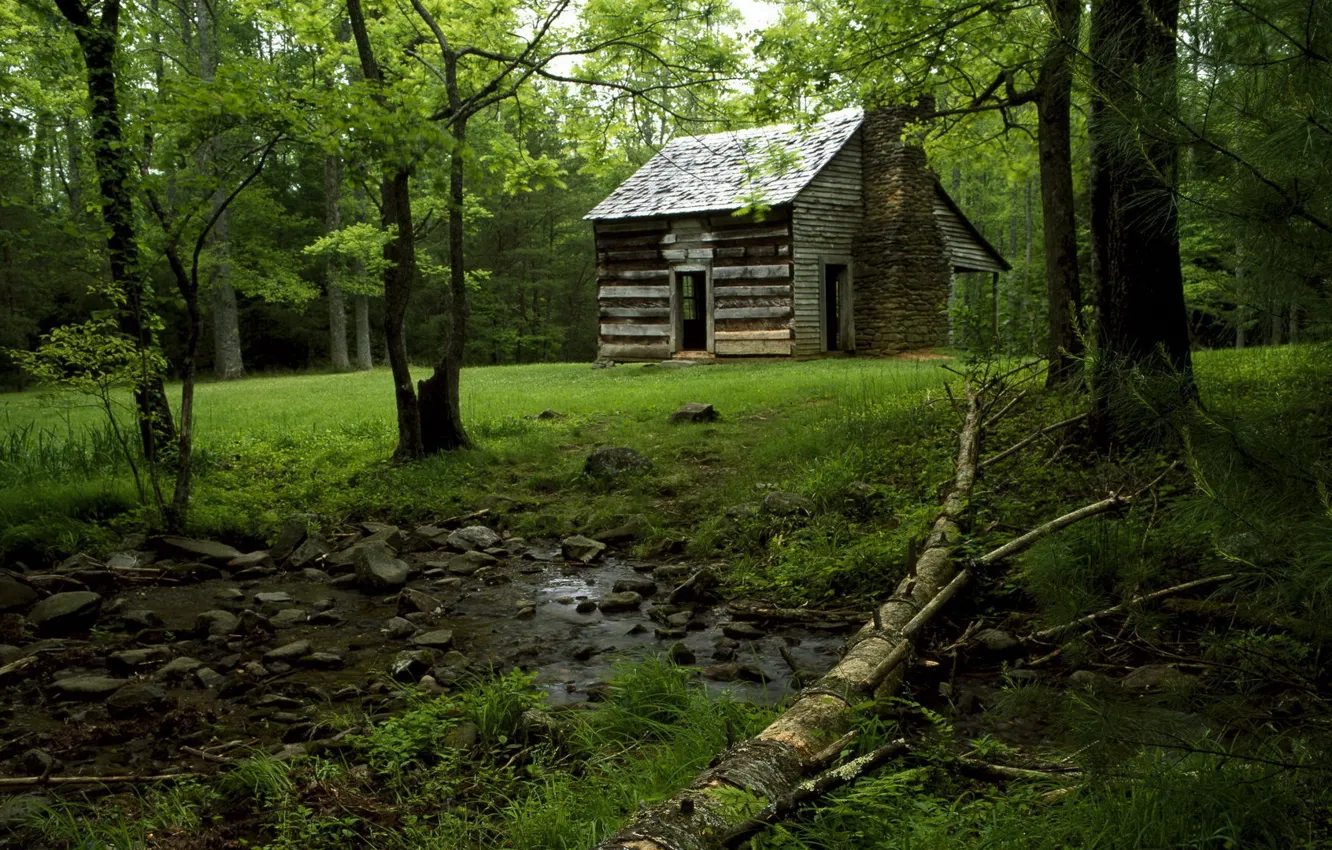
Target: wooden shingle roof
[{"x": 723, "y": 171}]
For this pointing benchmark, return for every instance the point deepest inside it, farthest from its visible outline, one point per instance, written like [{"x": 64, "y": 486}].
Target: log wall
[
  {"x": 748, "y": 263},
  {"x": 826, "y": 216}
]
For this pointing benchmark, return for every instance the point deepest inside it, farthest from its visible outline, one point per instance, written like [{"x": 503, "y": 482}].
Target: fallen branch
[
  {"x": 1023, "y": 443},
  {"x": 1054, "y": 631},
  {"x": 27, "y": 781}
]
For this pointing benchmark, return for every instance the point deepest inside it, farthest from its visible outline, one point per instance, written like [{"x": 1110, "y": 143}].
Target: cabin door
[
  {"x": 693, "y": 311},
  {"x": 838, "y": 335}
]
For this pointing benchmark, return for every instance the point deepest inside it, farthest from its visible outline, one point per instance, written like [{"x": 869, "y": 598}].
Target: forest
[{"x": 327, "y": 521}]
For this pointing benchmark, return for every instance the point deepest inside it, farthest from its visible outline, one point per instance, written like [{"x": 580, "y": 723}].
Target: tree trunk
[
  {"x": 1058, "y": 205},
  {"x": 98, "y": 42},
  {"x": 400, "y": 253},
  {"x": 441, "y": 413},
  {"x": 364, "y": 358},
  {"x": 1139, "y": 289},
  {"x": 337, "y": 307}
]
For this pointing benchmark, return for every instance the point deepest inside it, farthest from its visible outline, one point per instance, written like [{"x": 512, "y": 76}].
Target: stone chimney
[{"x": 902, "y": 273}]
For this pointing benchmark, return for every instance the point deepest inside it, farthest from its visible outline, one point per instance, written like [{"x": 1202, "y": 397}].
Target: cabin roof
[
  {"x": 722, "y": 171},
  {"x": 968, "y": 250}
]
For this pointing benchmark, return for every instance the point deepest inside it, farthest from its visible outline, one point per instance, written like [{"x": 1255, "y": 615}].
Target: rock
[
  {"x": 314, "y": 548},
  {"x": 399, "y": 628},
  {"x": 438, "y": 639},
  {"x": 260, "y": 558},
  {"x": 193, "y": 571},
  {"x": 216, "y": 622},
  {"x": 294, "y": 530},
  {"x": 314, "y": 574},
  {"x": 730, "y": 672},
  {"x": 66, "y": 612},
  {"x": 526, "y": 612},
  {"x": 410, "y": 600},
  {"x": 254, "y": 670},
  {"x": 253, "y": 623},
  {"x": 468, "y": 563},
  {"x": 378, "y": 569},
  {"x": 586, "y": 651},
  {"x": 680, "y": 654},
  {"x": 1089, "y": 679},
  {"x": 9, "y": 654},
  {"x": 668, "y": 632},
  {"x": 695, "y": 412},
  {"x": 472, "y": 538},
  {"x": 615, "y": 462},
  {"x": 631, "y": 530},
  {"x": 995, "y": 640},
  {"x": 325, "y": 618},
  {"x": 276, "y": 598},
  {"x": 289, "y": 652},
  {"x": 680, "y": 619},
  {"x": 16, "y": 811},
  {"x": 613, "y": 602},
  {"x": 582, "y": 549},
  {"x": 783, "y": 504},
  {"x": 88, "y": 687},
  {"x": 229, "y": 594},
  {"x": 38, "y": 762},
  {"x": 140, "y": 619},
  {"x": 177, "y": 668},
  {"x": 209, "y": 678},
  {"x": 859, "y": 491},
  {"x": 742, "y": 631},
  {"x": 548, "y": 414},
  {"x": 411, "y": 664},
  {"x": 386, "y": 535},
  {"x": 641, "y": 586},
  {"x": 671, "y": 573},
  {"x": 1156, "y": 677},
  {"x": 725, "y": 650},
  {"x": 203, "y": 550},
  {"x": 132, "y": 659},
  {"x": 289, "y": 618},
  {"x": 15, "y": 595},
  {"x": 323, "y": 660},
  {"x": 587, "y": 606},
  {"x": 464, "y": 736}
]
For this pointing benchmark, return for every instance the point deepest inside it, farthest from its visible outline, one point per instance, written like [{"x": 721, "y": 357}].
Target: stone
[
  {"x": 526, "y": 612},
  {"x": 695, "y": 412},
  {"x": 472, "y": 538},
  {"x": 132, "y": 659},
  {"x": 411, "y": 664},
  {"x": 216, "y": 622},
  {"x": 260, "y": 558},
  {"x": 229, "y": 594},
  {"x": 140, "y": 619},
  {"x": 680, "y": 619},
  {"x": 16, "y": 811},
  {"x": 412, "y": 601},
  {"x": 730, "y": 672},
  {"x": 289, "y": 651},
  {"x": 275, "y": 598},
  {"x": 325, "y": 618},
  {"x": 289, "y": 618},
  {"x": 613, "y": 602},
  {"x": 783, "y": 504},
  {"x": 1089, "y": 680},
  {"x": 548, "y": 414},
  {"x": 582, "y": 549},
  {"x": 325, "y": 604},
  {"x": 87, "y": 687},
  {"x": 293, "y": 532},
  {"x": 323, "y": 660},
  {"x": 254, "y": 670},
  {"x": 614, "y": 462},
  {"x": 377, "y": 568},
  {"x": 314, "y": 574},
  {"x": 253, "y": 623},
  {"x": 437, "y": 639},
  {"x": 586, "y": 651},
  {"x": 587, "y": 606},
  {"x": 312, "y": 549},
  {"x": 680, "y": 654},
  {"x": 464, "y": 736},
  {"x": 209, "y": 678},
  {"x": 399, "y": 628},
  {"x": 9, "y": 654},
  {"x": 177, "y": 668},
  {"x": 641, "y": 586},
  {"x": 15, "y": 595},
  {"x": 204, "y": 550},
  {"x": 671, "y": 573},
  {"x": 668, "y": 632},
  {"x": 742, "y": 631},
  {"x": 859, "y": 491},
  {"x": 995, "y": 640},
  {"x": 63, "y": 613},
  {"x": 632, "y": 529},
  {"x": 1156, "y": 677},
  {"x": 469, "y": 563}
]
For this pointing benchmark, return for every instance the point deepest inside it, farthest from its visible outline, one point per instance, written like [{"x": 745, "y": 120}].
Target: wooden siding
[
  {"x": 748, "y": 264},
  {"x": 825, "y": 218},
  {"x": 965, "y": 253}
]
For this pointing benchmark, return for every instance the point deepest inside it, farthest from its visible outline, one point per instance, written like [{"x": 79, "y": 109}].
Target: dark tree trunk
[
  {"x": 1139, "y": 289},
  {"x": 401, "y": 256},
  {"x": 1058, "y": 215},
  {"x": 441, "y": 413},
  {"x": 98, "y": 41}
]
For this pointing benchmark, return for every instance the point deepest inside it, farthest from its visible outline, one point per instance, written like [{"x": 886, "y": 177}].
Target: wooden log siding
[
  {"x": 825, "y": 218},
  {"x": 964, "y": 252}
]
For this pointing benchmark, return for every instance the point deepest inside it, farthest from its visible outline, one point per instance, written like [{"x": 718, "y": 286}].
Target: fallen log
[
  {"x": 1056, "y": 631},
  {"x": 30, "y": 781}
]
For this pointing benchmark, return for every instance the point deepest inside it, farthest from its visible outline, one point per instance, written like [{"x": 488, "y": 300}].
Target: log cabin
[{"x": 783, "y": 242}]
